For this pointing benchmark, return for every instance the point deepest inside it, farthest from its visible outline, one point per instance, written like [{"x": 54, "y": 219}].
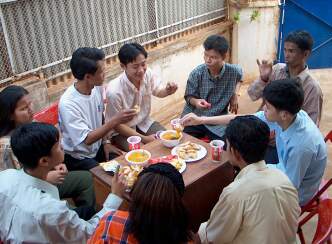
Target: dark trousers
[
  {"x": 200, "y": 131},
  {"x": 85, "y": 212},
  {"x": 87, "y": 163}
]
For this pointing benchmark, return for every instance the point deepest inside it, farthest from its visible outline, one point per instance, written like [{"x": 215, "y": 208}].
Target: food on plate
[
  {"x": 177, "y": 163},
  {"x": 171, "y": 135},
  {"x": 137, "y": 108},
  {"x": 130, "y": 173},
  {"x": 138, "y": 156},
  {"x": 188, "y": 150},
  {"x": 110, "y": 165}
]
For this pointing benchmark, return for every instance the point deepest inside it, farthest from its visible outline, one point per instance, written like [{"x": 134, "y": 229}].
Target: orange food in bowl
[
  {"x": 138, "y": 157},
  {"x": 171, "y": 136}
]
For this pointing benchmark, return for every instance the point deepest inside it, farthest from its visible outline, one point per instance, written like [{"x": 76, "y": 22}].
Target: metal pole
[{"x": 9, "y": 48}]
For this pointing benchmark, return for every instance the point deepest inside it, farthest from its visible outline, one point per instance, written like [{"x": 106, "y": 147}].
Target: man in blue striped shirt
[{"x": 211, "y": 87}]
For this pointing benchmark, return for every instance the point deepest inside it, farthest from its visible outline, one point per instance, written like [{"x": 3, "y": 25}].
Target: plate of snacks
[
  {"x": 109, "y": 166},
  {"x": 177, "y": 162},
  {"x": 130, "y": 173},
  {"x": 189, "y": 151}
]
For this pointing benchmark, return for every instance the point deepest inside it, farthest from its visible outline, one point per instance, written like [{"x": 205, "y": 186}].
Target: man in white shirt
[
  {"x": 31, "y": 211},
  {"x": 134, "y": 89},
  {"x": 261, "y": 205},
  {"x": 81, "y": 110}
]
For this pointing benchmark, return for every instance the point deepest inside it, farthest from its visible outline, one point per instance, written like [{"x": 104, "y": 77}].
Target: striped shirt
[
  {"x": 112, "y": 229},
  {"x": 215, "y": 90}
]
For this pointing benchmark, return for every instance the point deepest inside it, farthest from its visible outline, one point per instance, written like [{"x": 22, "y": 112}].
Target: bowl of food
[
  {"x": 170, "y": 138},
  {"x": 138, "y": 157}
]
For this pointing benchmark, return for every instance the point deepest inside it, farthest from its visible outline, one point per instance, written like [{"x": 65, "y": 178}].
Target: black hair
[
  {"x": 217, "y": 43},
  {"x": 31, "y": 142},
  {"x": 249, "y": 136},
  {"x": 130, "y": 51},
  {"x": 301, "y": 38},
  {"x": 8, "y": 101},
  {"x": 156, "y": 212},
  {"x": 286, "y": 94},
  {"x": 84, "y": 61}
]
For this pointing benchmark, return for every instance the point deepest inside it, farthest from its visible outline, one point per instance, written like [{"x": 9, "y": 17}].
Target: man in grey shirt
[{"x": 297, "y": 49}]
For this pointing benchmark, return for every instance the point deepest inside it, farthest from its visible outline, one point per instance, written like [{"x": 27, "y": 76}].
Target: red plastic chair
[
  {"x": 319, "y": 196},
  {"x": 48, "y": 115},
  {"x": 324, "y": 224},
  {"x": 328, "y": 137}
]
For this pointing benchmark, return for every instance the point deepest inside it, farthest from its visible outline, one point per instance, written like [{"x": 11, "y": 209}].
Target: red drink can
[
  {"x": 216, "y": 150},
  {"x": 134, "y": 142}
]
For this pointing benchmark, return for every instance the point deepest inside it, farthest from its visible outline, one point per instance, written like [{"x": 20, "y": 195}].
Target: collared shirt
[
  {"x": 313, "y": 96},
  {"x": 7, "y": 158},
  {"x": 122, "y": 94},
  {"x": 79, "y": 115},
  {"x": 301, "y": 152},
  {"x": 260, "y": 206},
  {"x": 34, "y": 214},
  {"x": 113, "y": 228},
  {"x": 215, "y": 90}
]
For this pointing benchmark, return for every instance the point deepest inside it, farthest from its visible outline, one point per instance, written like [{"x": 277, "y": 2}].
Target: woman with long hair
[
  {"x": 16, "y": 110},
  {"x": 156, "y": 212}
]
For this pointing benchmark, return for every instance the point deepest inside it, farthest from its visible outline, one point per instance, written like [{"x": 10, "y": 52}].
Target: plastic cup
[
  {"x": 134, "y": 142},
  {"x": 216, "y": 150},
  {"x": 176, "y": 125}
]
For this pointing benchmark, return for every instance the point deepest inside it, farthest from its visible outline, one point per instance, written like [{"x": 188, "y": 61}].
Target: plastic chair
[
  {"x": 328, "y": 137},
  {"x": 324, "y": 224},
  {"x": 48, "y": 115},
  {"x": 319, "y": 196}
]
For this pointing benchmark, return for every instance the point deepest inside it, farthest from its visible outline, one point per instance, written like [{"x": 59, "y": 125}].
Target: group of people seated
[{"x": 41, "y": 165}]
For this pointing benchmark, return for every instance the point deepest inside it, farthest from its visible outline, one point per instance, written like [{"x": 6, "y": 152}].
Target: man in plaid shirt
[{"x": 211, "y": 87}]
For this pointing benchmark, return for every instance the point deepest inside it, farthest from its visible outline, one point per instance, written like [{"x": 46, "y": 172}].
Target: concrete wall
[{"x": 256, "y": 39}]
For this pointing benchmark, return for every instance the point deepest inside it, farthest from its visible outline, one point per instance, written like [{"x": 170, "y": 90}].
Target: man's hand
[
  {"x": 234, "y": 104},
  {"x": 109, "y": 148},
  {"x": 171, "y": 88},
  {"x": 124, "y": 116},
  {"x": 147, "y": 139},
  {"x": 265, "y": 69},
  {"x": 200, "y": 103},
  {"x": 190, "y": 119},
  {"x": 118, "y": 184},
  {"x": 57, "y": 176}
]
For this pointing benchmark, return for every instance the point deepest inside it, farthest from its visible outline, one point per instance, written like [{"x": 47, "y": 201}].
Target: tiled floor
[{"x": 324, "y": 77}]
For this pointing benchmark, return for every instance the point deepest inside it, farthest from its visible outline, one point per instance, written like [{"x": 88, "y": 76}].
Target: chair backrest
[
  {"x": 48, "y": 115},
  {"x": 328, "y": 137},
  {"x": 324, "y": 225},
  {"x": 319, "y": 196}
]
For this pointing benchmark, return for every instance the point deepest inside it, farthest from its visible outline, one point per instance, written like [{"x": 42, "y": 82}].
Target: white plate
[
  {"x": 183, "y": 167},
  {"x": 201, "y": 153}
]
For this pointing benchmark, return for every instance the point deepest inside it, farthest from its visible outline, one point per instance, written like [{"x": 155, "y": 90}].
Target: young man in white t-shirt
[
  {"x": 134, "y": 89},
  {"x": 81, "y": 110}
]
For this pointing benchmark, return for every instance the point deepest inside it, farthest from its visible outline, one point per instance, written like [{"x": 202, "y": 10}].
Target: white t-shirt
[{"x": 80, "y": 114}]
